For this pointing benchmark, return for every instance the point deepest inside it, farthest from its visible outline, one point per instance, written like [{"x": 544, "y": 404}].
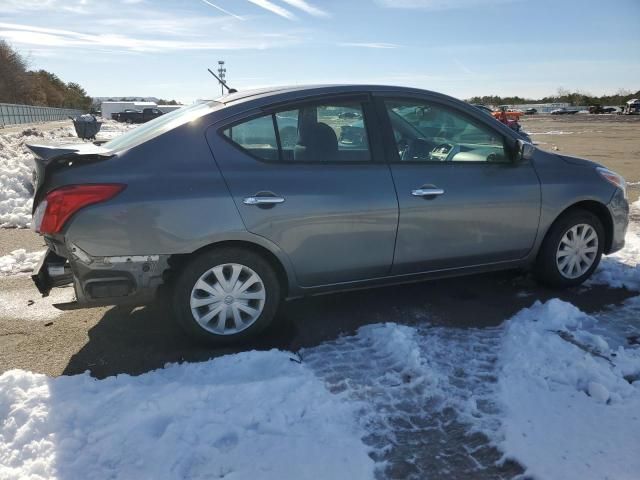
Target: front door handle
[
  {"x": 263, "y": 200},
  {"x": 425, "y": 191}
]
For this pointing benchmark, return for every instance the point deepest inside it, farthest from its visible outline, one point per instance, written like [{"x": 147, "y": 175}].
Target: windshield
[{"x": 161, "y": 124}]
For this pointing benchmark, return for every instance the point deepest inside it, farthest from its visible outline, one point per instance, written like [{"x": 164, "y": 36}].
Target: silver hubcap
[
  {"x": 227, "y": 299},
  {"x": 577, "y": 251}
]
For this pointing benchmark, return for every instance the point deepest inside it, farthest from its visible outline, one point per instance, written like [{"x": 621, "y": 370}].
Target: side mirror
[{"x": 524, "y": 151}]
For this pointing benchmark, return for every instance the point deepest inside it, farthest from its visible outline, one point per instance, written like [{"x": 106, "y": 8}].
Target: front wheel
[
  {"x": 571, "y": 251},
  {"x": 225, "y": 296}
]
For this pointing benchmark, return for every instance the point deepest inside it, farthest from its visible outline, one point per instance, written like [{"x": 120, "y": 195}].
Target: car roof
[
  {"x": 304, "y": 90},
  {"x": 248, "y": 100}
]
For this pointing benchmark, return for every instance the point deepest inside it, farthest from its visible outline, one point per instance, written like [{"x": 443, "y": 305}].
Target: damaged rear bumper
[
  {"x": 131, "y": 280},
  {"x": 52, "y": 271}
]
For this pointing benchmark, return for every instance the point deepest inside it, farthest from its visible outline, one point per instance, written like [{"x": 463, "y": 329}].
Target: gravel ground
[{"x": 613, "y": 140}]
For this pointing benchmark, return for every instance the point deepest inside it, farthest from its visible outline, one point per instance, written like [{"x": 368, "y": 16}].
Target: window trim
[
  {"x": 391, "y": 149},
  {"x": 369, "y": 117},
  {"x": 220, "y": 132}
]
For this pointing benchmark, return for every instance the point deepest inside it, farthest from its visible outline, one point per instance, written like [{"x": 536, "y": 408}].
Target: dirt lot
[
  {"x": 36, "y": 336},
  {"x": 613, "y": 140}
]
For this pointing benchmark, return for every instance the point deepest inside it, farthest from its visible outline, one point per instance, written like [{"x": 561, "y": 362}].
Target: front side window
[
  {"x": 331, "y": 132},
  {"x": 433, "y": 133}
]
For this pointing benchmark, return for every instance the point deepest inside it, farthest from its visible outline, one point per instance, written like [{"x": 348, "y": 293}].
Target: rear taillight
[{"x": 60, "y": 204}]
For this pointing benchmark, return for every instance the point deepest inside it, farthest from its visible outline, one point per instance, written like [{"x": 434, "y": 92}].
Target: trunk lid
[{"x": 50, "y": 157}]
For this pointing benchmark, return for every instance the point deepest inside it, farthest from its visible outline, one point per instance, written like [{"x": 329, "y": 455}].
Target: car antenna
[{"x": 229, "y": 90}]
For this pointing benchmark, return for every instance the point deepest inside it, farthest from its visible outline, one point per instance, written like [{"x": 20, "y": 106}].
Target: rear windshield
[{"x": 162, "y": 124}]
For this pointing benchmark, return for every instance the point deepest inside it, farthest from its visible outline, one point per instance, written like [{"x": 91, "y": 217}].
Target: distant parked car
[
  {"x": 208, "y": 207},
  {"x": 530, "y": 111},
  {"x": 137, "y": 116},
  {"x": 563, "y": 111},
  {"x": 349, "y": 115},
  {"x": 596, "y": 109}
]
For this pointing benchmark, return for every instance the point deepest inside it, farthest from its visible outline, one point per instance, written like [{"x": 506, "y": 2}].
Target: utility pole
[{"x": 222, "y": 73}]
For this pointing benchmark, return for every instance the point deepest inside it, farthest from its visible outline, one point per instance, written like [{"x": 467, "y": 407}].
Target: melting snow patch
[
  {"x": 572, "y": 409},
  {"x": 19, "y": 261},
  {"x": 552, "y": 132},
  {"x": 622, "y": 269},
  {"x": 254, "y": 415},
  {"x": 28, "y": 304}
]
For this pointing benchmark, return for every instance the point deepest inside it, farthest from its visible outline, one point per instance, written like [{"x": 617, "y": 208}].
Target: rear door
[
  {"x": 463, "y": 200},
  {"x": 311, "y": 177}
]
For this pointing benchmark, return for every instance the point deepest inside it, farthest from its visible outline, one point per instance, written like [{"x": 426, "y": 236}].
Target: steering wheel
[{"x": 438, "y": 152}]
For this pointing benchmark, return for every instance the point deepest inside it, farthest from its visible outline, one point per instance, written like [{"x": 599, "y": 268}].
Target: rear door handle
[
  {"x": 263, "y": 200},
  {"x": 427, "y": 192}
]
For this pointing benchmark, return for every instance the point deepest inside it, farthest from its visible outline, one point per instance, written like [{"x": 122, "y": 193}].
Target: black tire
[
  {"x": 190, "y": 274},
  {"x": 546, "y": 269}
]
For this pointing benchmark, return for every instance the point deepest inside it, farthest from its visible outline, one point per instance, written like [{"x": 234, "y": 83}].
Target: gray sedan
[{"x": 228, "y": 207}]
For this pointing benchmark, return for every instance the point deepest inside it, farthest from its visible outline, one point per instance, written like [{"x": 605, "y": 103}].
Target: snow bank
[
  {"x": 254, "y": 415},
  {"x": 622, "y": 269},
  {"x": 571, "y": 411},
  {"x": 19, "y": 261},
  {"x": 16, "y": 166}
]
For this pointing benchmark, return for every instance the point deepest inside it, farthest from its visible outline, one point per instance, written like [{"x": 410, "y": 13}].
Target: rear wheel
[
  {"x": 226, "y": 295},
  {"x": 572, "y": 249}
]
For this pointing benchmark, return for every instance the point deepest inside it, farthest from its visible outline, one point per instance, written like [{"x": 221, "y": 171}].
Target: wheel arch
[
  {"x": 284, "y": 274},
  {"x": 595, "y": 207}
]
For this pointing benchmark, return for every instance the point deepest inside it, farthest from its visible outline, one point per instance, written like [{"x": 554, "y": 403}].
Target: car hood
[{"x": 579, "y": 161}]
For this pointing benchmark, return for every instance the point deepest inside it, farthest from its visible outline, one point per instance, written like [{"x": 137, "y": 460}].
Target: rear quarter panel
[{"x": 175, "y": 201}]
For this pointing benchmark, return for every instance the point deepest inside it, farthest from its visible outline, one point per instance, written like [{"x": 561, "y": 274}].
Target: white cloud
[
  {"x": 439, "y": 4},
  {"x": 73, "y": 6},
  {"x": 273, "y": 8},
  {"x": 307, "y": 8},
  {"x": 380, "y": 45},
  {"x": 51, "y": 37}
]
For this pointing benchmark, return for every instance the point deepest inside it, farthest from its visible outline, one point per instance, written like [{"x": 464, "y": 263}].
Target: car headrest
[{"x": 317, "y": 142}]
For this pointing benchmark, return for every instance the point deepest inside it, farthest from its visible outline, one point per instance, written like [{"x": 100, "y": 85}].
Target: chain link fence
[{"x": 11, "y": 114}]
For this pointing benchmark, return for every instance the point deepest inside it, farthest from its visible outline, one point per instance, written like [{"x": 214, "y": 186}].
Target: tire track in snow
[{"x": 425, "y": 395}]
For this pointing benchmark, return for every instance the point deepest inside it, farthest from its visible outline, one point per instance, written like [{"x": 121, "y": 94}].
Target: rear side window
[
  {"x": 257, "y": 136},
  {"x": 331, "y": 132}
]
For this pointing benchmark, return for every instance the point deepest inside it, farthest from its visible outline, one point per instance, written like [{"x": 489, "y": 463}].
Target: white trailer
[{"x": 107, "y": 108}]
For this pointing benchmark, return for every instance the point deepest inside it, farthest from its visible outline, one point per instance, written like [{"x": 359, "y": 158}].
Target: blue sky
[{"x": 460, "y": 47}]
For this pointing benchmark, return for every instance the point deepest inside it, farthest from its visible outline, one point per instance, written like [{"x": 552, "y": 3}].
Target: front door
[
  {"x": 308, "y": 178},
  {"x": 463, "y": 200}
]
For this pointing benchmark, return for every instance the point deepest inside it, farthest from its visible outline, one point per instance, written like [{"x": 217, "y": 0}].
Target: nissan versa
[{"x": 235, "y": 204}]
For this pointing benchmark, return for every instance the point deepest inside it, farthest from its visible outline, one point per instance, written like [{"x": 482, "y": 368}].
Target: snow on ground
[
  {"x": 571, "y": 398},
  {"x": 552, "y": 132},
  {"x": 16, "y": 166},
  {"x": 428, "y": 397},
  {"x": 553, "y": 393},
  {"x": 254, "y": 415},
  {"x": 622, "y": 269},
  {"x": 19, "y": 261}
]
